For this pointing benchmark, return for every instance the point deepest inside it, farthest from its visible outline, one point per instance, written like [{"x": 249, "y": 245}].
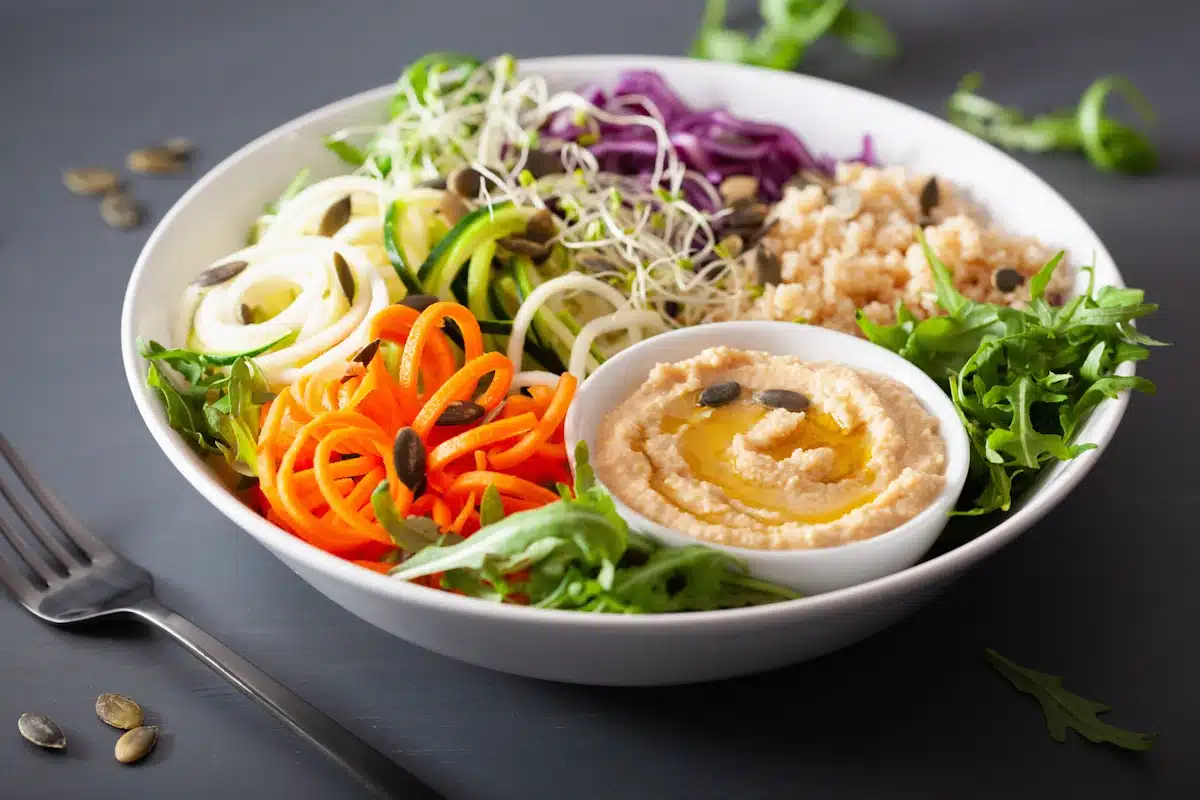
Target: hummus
[{"x": 861, "y": 459}]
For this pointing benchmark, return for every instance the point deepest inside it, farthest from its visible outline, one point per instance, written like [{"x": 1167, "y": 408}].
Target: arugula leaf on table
[
  {"x": 579, "y": 554},
  {"x": 1064, "y": 709},
  {"x": 1022, "y": 380}
]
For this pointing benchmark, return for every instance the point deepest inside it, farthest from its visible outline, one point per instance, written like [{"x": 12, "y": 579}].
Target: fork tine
[
  {"x": 48, "y": 540},
  {"x": 80, "y": 536},
  {"x": 35, "y": 561},
  {"x": 21, "y": 586}
]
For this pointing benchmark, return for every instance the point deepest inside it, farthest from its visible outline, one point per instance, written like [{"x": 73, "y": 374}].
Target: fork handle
[{"x": 374, "y": 770}]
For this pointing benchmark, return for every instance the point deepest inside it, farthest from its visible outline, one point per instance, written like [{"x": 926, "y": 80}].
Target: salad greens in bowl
[{"x": 359, "y": 336}]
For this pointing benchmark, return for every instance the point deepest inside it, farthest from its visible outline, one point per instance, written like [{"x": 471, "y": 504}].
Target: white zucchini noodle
[
  {"x": 531, "y": 378},
  {"x": 621, "y": 320}
]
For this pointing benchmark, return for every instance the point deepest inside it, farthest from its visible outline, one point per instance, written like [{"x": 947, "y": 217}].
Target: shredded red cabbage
[{"x": 712, "y": 142}]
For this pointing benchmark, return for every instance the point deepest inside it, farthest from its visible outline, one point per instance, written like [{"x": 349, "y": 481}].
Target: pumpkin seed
[
  {"x": 738, "y": 187},
  {"x": 782, "y": 398},
  {"x": 720, "y": 393},
  {"x": 541, "y": 163},
  {"x": 672, "y": 309},
  {"x": 461, "y": 412},
  {"x": 120, "y": 210},
  {"x": 134, "y": 745},
  {"x": 119, "y": 711},
  {"x": 179, "y": 147},
  {"x": 592, "y": 262},
  {"x": 220, "y": 273},
  {"x": 930, "y": 197},
  {"x": 453, "y": 208},
  {"x": 42, "y": 731},
  {"x": 1007, "y": 279},
  {"x": 345, "y": 276},
  {"x": 245, "y": 314},
  {"x": 465, "y": 182},
  {"x": 154, "y": 161},
  {"x": 749, "y": 215},
  {"x": 336, "y": 216},
  {"x": 541, "y": 227},
  {"x": 365, "y": 355},
  {"x": 408, "y": 456},
  {"x": 846, "y": 201},
  {"x": 419, "y": 302},
  {"x": 91, "y": 181},
  {"x": 538, "y": 251},
  {"x": 767, "y": 267}
]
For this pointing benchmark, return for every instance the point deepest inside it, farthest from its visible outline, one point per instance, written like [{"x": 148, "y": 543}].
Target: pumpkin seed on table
[
  {"x": 136, "y": 744},
  {"x": 119, "y": 711},
  {"x": 220, "y": 273},
  {"x": 419, "y": 302},
  {"x": 154, "y": 161},
  {"x": 119, "y": 210},
  {"x": 179, "y": 147},
  {"x": 408, "y": 457},
  {"x": 42, "y": 731},
  {"x": 336, "y": 217},
  {"x": 345, "y": 276},
  {"x": 460, "y": 412},
  {"x": 782, "y": 398},
  {"x": 720, "y": 394},
  {"x": 91, "y": 181}
]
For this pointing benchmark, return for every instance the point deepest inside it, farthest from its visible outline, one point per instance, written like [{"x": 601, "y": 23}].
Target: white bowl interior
[
  {"x": 211, "y": 220},
  {"x": 807, "y": 571}
]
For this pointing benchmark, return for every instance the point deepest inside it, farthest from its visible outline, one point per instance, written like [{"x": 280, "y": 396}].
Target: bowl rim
[
  {"x": 940, "y": 568},
  {"x": 958, "y": 446}
]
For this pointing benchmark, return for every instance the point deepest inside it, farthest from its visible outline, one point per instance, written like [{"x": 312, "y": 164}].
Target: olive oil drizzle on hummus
[{"x": 706, "y": 438}]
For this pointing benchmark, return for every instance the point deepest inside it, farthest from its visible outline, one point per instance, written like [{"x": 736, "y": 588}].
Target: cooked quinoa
[{"x": 832, "y": 266}]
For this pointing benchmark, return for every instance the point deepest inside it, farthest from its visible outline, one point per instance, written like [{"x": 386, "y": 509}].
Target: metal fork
[{"x": 82, "y": 578}]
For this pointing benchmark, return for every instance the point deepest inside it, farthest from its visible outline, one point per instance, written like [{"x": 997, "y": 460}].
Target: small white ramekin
[{"x": 815, "y": 570}]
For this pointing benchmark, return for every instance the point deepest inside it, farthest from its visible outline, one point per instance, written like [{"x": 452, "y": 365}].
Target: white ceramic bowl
[
  {"x": 211, "y": 220},
  {"x": 812, "y": 571}
]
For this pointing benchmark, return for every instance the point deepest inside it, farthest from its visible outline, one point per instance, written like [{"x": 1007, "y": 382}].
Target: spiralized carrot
[{"x": 325, "y": 442}]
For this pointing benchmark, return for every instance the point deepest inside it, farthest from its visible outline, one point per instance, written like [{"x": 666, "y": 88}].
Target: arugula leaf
[
  {"x": 578, "y": 554},
  {"x": 1065, "y": 709},
  {"x": 1022, "y": 381},
  {"x": 347, "y": 152}
]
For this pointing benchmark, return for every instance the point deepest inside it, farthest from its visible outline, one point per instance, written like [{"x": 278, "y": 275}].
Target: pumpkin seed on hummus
[{"x": 862, "y": 458}]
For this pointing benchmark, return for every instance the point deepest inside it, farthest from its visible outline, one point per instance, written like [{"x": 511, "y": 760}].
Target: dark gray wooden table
[{"x": 1103, "y": 591}]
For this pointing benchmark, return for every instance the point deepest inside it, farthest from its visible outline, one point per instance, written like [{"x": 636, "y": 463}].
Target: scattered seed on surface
[
  {"x": 365, "y": 355},
  {"x": 42, "y": 731},
  {"x": 154, "y": 161},
  {"x": 119, "y": 210},
  {"x": 408, "y": 456},
  {"x": 768, "y": 269},
  {"x": 119, "y": 711},
  {"x": 336, "y": 216},
  {"x": 461, "y": 412},
  {"x": 1007, "y": 279},
  {"x": 465, "y": 182},
  {"x": 541, "y": 227},
  {"x": 930, "y": 197},
  {"x": 345, "y": 276},
  {"x": 91, "y": 181},
  {"x": 782, "y": 398},
  {"x": 720, "y": 393},
  {"x": 134, "y": 745},
  {"x": 419, "y": 302},
  {"x": 179, "y": 147},
  {"x": 453, "y": 208},
  {"x": 220, "y": 273},
  {"x": 738, "y": 187},
  {"x": 846, "y": 200}
]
